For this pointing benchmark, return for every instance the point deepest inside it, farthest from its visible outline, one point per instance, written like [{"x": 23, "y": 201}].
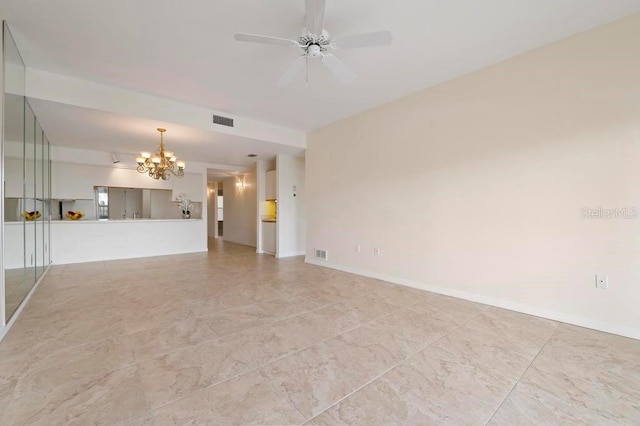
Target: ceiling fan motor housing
[{"x": 312, "y": 44}]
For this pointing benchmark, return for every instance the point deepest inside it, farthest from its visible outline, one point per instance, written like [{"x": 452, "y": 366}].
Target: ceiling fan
[{"x": 315, "y": 42}]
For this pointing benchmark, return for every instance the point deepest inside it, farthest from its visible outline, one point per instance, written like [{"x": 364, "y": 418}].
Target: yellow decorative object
[
  {"x": 31, "y": 215},
  {"x": 74, "y": 215}
]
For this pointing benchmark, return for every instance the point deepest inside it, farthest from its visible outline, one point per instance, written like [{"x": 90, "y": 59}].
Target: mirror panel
[
  {"x": 13, "y": 175},
  {"x": 29, "y": 207},
  {"x": 38, "y": 204}
]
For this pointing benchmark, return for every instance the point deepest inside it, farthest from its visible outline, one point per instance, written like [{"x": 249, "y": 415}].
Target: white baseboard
[{"x": 631, "y": 332}]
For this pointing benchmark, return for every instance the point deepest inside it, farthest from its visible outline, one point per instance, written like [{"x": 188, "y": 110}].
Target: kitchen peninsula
[{"x": 158, "y": 228}]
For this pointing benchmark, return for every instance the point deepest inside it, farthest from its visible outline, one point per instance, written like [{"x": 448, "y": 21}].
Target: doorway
[{"x": 215, "y": 205}]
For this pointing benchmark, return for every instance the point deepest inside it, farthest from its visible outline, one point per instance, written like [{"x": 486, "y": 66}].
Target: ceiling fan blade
[
  {"x": 315, "y": 16},
  {"x": 293, "y": 70},
  {"x": 339, "y": 69},
  {"x": 251, "y": 38},
  {"x": 379, "y": 38}
]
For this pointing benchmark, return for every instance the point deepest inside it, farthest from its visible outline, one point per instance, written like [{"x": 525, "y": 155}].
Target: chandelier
[{"x": 159, "y": 165}]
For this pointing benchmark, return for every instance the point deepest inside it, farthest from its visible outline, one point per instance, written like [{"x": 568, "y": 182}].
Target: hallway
[{"x": 231, "y": 337}]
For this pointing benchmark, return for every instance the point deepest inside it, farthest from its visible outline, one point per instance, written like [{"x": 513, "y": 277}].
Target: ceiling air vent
[{"x": 223, "y": 121}]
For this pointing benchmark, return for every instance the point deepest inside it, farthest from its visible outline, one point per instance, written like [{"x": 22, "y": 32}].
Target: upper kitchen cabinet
[
  {"x": 271, "y": 187},
  {"x": 71, "y": 181},
  {"x": 190, "y": 184}
]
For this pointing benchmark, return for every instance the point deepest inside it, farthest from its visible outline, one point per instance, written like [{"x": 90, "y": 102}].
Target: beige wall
[
  {"x": 290, "y": 206},
  {"x": 240, "y": 211},
  {"x": 475, "y": 187}
]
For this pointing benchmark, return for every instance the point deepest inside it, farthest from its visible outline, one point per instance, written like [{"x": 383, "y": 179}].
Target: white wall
[
  {"x": 291, "y": 192},
  {"x": 240, "y": 210},
  {"x": 261, "y": 178},
  {"x": 475, "y": 187},
  {"x": 212, "y": 204},
  {"x": 163, "y": 208},
  {"x": 90, "y": 241}
]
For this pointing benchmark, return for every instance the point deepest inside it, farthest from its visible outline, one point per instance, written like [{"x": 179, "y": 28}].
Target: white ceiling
[
  {"x": 86, "y": 128},
  {"x": 185, "y": 51}
]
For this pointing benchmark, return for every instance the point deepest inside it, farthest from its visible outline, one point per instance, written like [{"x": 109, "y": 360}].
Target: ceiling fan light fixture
[
  {"x": 314, "y": 51},
  {"x": 316, "y": 42}
]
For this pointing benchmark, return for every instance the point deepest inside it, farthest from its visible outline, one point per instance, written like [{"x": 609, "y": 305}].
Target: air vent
[
  {"x": 321, "y": 254},
  {"x": 223, "y": 121}
]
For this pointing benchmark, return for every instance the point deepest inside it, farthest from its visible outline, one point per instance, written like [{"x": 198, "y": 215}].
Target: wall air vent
[
  {"x": 321, "y": 254},
  {"x": 223, "y": 121}
]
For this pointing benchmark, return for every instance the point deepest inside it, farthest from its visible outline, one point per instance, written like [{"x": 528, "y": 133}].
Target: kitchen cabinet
[
  {"x": 269, "y": 237},
  {"x": 271, "y": 191},
  {"x": 71, "y": 181}
]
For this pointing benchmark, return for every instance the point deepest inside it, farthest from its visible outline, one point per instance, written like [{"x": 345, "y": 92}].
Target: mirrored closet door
[{"x": 26, "y": 174}]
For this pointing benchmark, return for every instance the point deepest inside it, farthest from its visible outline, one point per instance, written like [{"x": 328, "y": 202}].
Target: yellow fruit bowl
[
  {"x": 74, "y": 215},
  {"x": 31, "y": 215}
]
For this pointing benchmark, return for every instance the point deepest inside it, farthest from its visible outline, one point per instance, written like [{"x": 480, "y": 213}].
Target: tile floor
[{"x": 229, "y": 337}]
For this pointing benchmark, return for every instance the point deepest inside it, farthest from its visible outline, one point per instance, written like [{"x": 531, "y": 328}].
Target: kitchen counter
[
  {"x": 98, "y": 240},
  {"x": 128, "y": 220}
]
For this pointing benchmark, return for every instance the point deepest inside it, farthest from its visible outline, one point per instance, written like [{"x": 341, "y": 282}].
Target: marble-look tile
[
  {"x": 185, "y": 371},
  {"x": 369, "y": 306},
  {"x": 461, "y": 378},
  {"x": 316, "y": 378},
  {"x": 23, "y": 346},
  {"x": 206, "y": 306},
  {"x": 72, "y": 332},
  {"x": 324, "y": 295},
  {"x": 266, "y": 344},
  {"x": 398, "y": 295},
  {"x": 145, "y": 419},
  {"x": 158, "y": 314},
  {"x": 455, "y": 311},
  {"x": 154, "y": 342},
  {"x": 380, "y": 353},
  {"x": 102, "y": 399},
  {"x": 8, "y": 383},
  {"x": 238, "y": 319},
  {"x": 581, "y": 376},
  {"x": 75, "y": 363},
  {"x": 414, "y": 327},
  {"x": 248, "y": 399},
  {"x": 383, "y": 402},
  {"x": 322, "y": 419},
  {"x": 289, "y": 306}
]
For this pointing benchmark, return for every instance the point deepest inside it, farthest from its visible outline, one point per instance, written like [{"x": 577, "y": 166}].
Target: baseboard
[
  {"x": 631, "y": 332},
  {"x": 288, "y": 255}
]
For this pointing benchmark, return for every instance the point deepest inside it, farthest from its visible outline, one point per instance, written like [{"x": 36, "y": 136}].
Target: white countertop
[
  {"x": 124, "y": 220},
  {"x": 16, "y": 223}
]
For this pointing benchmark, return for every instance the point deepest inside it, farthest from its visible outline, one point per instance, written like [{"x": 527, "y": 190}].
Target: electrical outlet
[
  {"x": 602, "y": 282},
  {"x": 357, "y": 248},
  {"x": 376, "y": 251}
]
